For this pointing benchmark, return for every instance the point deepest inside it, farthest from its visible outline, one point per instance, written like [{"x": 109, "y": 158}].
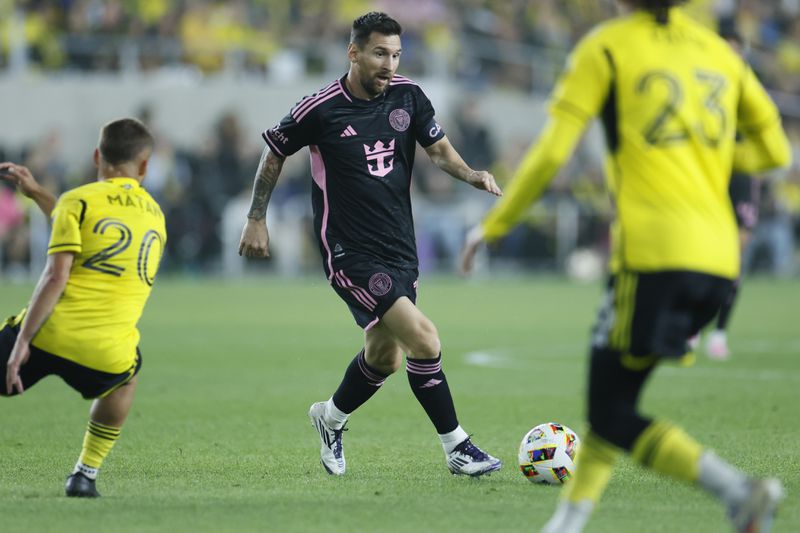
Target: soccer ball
[{"x": 547, "y": 453}]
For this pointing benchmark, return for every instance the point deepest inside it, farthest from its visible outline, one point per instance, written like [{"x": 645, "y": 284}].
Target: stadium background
[{"x": 209, "y": 76}]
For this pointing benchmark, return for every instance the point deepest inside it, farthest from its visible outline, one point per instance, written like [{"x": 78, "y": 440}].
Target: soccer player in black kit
[{"x": 362, "y": 131}]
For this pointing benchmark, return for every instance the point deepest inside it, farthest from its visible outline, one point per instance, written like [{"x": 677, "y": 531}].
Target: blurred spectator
[{"x": 771, "y": 248}]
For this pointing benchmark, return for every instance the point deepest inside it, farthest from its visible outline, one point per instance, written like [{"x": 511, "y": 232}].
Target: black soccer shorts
[
  {"x": 87, "y": 381},
  {"x": 653, "y": 314},
  {"x": 370, "y": 288}
]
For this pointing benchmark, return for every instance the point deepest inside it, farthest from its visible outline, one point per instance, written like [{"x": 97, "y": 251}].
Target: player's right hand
[
  {"x": 20, "y": 354},
  {"x": 255, "y": 239},
  {"x": 21, "y": 177}
]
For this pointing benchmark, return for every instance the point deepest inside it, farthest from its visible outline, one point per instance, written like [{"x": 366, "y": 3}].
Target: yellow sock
[
  {"x": 97, "y": 442},
  {"x": 593, "y": 467},
  {"x": 667, "y": 449}
]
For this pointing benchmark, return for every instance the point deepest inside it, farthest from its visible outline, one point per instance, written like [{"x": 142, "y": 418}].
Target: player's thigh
[
  {"x": 382, "y": 349},
  {"x": 654, "y": 313},
  {"x": 93, "y": 383},
  {"x": 415, "y": 332},
  {"x": 704, "y": 295},
  {"x": 370, "y": 288}
]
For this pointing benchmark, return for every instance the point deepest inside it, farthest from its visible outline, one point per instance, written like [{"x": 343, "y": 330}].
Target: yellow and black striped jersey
[
  {"x": 117, "y": 233},
  {"x": 672, "y": 98}
]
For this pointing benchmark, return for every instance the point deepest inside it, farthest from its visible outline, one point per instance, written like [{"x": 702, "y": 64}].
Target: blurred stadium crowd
[{"x": 484, "y": 45}]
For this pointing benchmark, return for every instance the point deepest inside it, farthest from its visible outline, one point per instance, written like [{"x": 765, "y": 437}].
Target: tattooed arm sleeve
[{"x": 269, "y": 168}]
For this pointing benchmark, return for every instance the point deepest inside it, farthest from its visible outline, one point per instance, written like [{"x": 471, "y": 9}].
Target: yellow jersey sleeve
[
  {"x": 583, "y": 87},
  {"x": 577, "y": 99},
  {"x": 756, "y": 109},
  {"x": 543, "y": 160},
  {"x": 763, "y": 144},
  {"x": 67, "y": 218}
]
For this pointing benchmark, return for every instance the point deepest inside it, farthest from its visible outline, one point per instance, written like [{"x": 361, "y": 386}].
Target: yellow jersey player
[
  {"x": 672, "y": 96},
  {"x": 104, "y": 251}
]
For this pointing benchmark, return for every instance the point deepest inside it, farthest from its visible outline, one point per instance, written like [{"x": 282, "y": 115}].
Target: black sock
[
  {"x": 430, "y": 387},
  {"x": 727, "y": 306},
  {"x": 359, "y": 383}
]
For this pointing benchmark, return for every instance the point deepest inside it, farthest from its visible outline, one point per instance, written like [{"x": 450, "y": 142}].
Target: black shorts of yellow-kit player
[
  {"x": 648, "y": 315},
  {"x": 87, "y": 381}
]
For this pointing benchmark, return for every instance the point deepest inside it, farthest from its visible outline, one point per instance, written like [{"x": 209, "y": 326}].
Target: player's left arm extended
[
  {"x": 542, "y": 161},
  {"x": 45, "y": 296},
  {"x": 540, "y": 164},
  {"x": 448, "y": 159}
]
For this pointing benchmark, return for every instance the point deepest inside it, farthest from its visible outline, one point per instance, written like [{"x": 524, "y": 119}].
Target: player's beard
[{"x": 371, "y": 86}]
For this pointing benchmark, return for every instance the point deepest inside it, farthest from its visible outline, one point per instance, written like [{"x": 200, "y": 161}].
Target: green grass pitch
[{"x": 218, "y": 438}]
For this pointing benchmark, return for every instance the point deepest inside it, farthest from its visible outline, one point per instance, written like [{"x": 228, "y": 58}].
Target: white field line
[{"x": 523, "y": 358}]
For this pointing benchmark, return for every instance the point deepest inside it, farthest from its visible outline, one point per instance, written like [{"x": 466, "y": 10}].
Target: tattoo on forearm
[{"x": 269, "y": 168}]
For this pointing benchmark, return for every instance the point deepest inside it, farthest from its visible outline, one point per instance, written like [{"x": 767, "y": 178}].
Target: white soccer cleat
[
  {"x": 569, "y": 517},
  {"x": 756, "y": 512},
  {"x": 469, "y": 460},
  {"x": 717, "y": 345},
  {"x": 331, "y": 452}
]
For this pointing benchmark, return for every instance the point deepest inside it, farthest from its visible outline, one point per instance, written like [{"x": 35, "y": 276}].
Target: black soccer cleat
[{"x": 80, "y": 486}]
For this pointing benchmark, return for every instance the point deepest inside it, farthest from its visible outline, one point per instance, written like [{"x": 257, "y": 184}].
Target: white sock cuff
[
  {"x": 453, "y": 439},
  {"x": 334, "y": 416},
  {"x": 721, "y": 478},
  {"x": 87, "y": 471}
]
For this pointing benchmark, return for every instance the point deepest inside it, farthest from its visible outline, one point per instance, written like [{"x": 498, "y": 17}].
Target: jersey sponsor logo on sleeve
[
  {"x": 380, "y": 283},
  {"x": 383, "y": 157},
  {"x": 399, "y": 119},
  {"x": 278, "y": 135},
  {"x": 434, "y": 131}
]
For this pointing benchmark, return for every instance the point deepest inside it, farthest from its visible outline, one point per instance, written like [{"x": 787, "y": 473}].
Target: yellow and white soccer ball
[{"x": 547, "y": 453}]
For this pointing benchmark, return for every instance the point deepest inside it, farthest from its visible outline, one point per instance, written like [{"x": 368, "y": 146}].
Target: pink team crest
[
  {"x": 399, "y": 119},
  {"x": 383, "y": 157},
  {"x": 380, "y": 283}
]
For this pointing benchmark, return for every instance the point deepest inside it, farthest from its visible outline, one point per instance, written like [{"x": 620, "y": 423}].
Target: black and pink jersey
[{"x": 362, "y": 153}]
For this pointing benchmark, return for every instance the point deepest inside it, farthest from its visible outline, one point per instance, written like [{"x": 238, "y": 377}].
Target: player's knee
[
  {"x": 619, "y": 425},
  {"x": 426, "y": 343},
  {"x": 386, "y": 360},
  {"x": 605, "y": 424},
  {"x": 393, "y": 365}
]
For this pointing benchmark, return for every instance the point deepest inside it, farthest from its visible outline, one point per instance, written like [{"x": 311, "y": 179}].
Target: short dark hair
[
  {"x": 659, "y": 8},
  {"x": 374, "y": 21},
  {"x": 123, "y": 140}
]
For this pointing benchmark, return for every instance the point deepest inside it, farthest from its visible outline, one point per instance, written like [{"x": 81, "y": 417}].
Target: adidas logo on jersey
[{"x": 348, "y": 132}]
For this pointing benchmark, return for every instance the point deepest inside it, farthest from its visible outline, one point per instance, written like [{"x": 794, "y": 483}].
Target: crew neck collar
[{"x": 353, "y": 98}]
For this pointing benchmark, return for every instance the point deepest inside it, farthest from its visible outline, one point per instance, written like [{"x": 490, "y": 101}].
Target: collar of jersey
[
  {"x": 358, "y": 100},
  {"x": 119, "y": 180}
]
